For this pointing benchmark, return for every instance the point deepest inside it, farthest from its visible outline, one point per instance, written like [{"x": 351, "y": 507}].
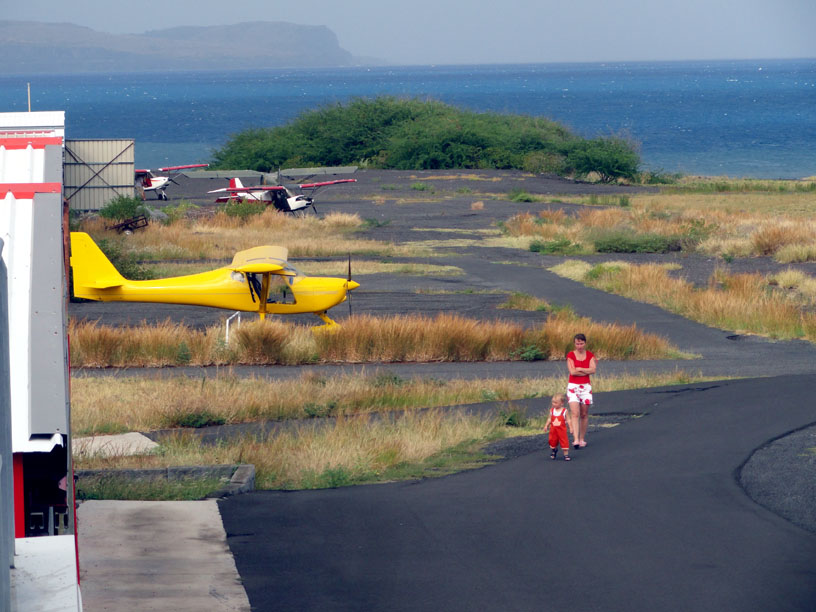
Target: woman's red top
[{"x": 580, "y": 363}]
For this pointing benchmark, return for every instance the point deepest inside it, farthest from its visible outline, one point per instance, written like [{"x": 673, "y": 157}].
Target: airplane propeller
[{"x": 348, "y": 280}]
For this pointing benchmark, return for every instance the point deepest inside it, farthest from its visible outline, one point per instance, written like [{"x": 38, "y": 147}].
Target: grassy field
[
  {"x": 771, "y": 222},
  {"x": 220, "y": 236},
  {"x": 777, "y": 306}
]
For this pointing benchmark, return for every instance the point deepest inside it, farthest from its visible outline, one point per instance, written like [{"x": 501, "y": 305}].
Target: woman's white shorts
[{"x": 581, "y": 393}]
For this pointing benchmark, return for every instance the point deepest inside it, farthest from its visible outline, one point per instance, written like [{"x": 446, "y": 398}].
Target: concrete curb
[
  {"x": 241, "y": 477},
  {"x": 242, "y": 481}
]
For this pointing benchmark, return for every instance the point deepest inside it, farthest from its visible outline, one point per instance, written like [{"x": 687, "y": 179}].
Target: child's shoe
[{"x": 553, "y": 453}]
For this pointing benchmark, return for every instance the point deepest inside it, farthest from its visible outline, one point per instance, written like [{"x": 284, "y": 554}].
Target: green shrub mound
[
  {"x": 621, "y": 242},
  {"x": 412, "y": 134}
]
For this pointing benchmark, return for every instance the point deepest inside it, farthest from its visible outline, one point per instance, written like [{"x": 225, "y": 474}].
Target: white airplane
[
  {"x": 280, "y": 196},
  {"x": 147, "y": 181}
]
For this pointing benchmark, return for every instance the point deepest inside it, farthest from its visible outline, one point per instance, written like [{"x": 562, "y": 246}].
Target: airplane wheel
[{"x": 163, "y": 196}]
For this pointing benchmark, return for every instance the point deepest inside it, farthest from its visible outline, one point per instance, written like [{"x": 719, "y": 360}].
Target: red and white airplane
[
  {"x": 280, "y": 196},
  {"x": 147, "y": 181}
]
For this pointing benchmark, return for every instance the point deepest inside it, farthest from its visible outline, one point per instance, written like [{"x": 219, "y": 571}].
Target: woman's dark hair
[{"x": 579, "y": 337}]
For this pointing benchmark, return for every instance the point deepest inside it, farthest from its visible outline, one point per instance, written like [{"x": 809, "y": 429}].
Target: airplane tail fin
[
  {"x": 93, "y": 271},
  {"x": 235, "y": 183}
]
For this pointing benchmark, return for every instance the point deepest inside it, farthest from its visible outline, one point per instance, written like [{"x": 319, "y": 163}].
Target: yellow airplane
[{"x": 258, "y": 280}]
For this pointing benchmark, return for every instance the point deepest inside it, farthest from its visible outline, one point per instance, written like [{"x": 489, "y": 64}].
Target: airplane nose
[{"x": 352, "y": 285}]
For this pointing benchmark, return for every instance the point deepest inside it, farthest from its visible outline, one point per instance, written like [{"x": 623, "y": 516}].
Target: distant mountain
[{"x": 30, "y": 47}]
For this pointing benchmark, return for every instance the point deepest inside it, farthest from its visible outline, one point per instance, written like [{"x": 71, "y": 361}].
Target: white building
[{"x": 37, "y": 535}]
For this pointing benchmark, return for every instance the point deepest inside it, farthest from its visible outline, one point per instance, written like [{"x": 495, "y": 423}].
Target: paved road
[{"x": 649, "y": 516}]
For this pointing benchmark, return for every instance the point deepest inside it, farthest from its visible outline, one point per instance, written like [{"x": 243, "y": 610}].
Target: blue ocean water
[{"x": 735, "y": 118}]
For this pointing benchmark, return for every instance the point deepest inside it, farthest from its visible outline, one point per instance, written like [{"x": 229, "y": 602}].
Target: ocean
[{"x": 735, "y": 118}]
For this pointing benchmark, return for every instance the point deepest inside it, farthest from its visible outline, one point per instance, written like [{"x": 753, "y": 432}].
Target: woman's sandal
[{"x": 567, "y": 458}]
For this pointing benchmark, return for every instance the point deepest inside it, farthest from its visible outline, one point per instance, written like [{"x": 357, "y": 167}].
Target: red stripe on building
[
  {"x": 26, "y": 191},
  {"x": 19, "y": 497},
  {"x": 39, "y": 142}
]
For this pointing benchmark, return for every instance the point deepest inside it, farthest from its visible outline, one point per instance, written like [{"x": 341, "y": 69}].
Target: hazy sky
[{"x": 484, "y": 31}]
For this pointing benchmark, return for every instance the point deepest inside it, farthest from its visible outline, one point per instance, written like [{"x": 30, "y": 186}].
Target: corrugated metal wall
[{"x": 96, "y": 171}]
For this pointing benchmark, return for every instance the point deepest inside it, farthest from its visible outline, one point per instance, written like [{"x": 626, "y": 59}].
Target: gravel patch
[{"x": 794, "y": 496}]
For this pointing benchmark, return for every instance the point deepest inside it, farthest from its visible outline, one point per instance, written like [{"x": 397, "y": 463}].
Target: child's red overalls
[{"x": 558, "y": 427}]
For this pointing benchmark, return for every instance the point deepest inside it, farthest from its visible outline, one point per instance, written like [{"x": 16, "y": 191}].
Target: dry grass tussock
[
  {"x": 360, "y": 339},
  {"x": 221, "y": 236},
  {"x": 720, "y": 184},
  {"x": 157, "y": 345},
  {"x": 512, "y": 242},
  {"x": 748, "y": 303},
  {"x": 105, "y": 406},
  {"x": 801, "y": 286}
]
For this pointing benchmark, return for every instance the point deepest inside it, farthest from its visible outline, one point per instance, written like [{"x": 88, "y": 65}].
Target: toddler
[{"x": 557, "y": 422}]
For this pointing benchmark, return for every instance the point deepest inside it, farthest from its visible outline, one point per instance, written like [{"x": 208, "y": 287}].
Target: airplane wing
[
  {"x": 324, "y": 183},
  {"x": 296, "y": 172},
  {"x": 260, "y": 259},
  {"x": 187, "y": 167},
  {"x": 247, "y": 189}
]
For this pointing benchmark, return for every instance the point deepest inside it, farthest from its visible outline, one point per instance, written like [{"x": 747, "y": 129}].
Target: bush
[
  {"x": 178, "y": 212},
  {"x": 121, "y": 208},
  {"x": 530, "y": 352},
  {"x": 660, "y": 177},
  {"x": 184, "y": 355},
  {"x": 387, "y": 380},
  {"x": 541, "y": 162},
  {"x": 618, "y": 242},
  {"x": 519, "y": 195},
  {"x": 243, "y": 209},
  {"x": 403, "y": 134},
  {"x": 559, "y": 246},
  {"x": 513, "y": 417},
  {"x": 126, "y": 263},
  {"x": 316, "y": 411},
  {"x": 610, "y": 158},
  {"x": 195, "y": 420}
]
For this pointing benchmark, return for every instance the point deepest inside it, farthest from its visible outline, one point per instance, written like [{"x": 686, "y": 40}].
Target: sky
[{"x": 484, "y": 31}]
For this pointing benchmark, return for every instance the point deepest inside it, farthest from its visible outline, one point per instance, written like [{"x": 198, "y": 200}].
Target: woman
[{"x": 581, "y": 363}]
